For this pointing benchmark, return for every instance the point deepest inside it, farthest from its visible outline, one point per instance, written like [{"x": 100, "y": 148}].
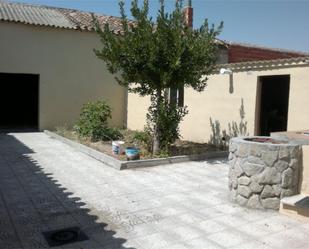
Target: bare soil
[{"x": 179, "y": 148}]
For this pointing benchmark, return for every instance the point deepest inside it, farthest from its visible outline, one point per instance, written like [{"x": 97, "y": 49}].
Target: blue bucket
[{"x": 132, "y": 153}]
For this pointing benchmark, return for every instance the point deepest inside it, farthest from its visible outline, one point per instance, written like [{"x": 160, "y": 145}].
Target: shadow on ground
[{"x": 33, "y": 202}]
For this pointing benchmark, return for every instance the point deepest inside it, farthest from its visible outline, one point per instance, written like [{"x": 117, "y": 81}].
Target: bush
[
  {"x": 167, "y": 117},
  {"x": 144, "y": 139},
  {"x": 140, "y": 139},
  {"x": 112, "y": 134},
  {"x": 93, "y": 122}
]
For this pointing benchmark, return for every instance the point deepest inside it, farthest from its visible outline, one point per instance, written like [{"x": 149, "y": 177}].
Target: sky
[{"x": 272, "y": 23}]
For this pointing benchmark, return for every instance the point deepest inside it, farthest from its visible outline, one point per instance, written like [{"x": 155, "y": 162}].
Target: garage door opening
[
  {"x": 19, "y": 101},
  {"x": 273, "y": 103}
]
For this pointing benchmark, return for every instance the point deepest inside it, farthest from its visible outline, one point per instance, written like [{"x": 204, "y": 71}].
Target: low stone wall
[{"x": 261, "y": 174}]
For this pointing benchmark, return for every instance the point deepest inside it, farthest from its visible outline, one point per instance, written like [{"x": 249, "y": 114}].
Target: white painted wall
[
  {"x": 218, "y": 103},
  {"x": 70, "y": 74}
]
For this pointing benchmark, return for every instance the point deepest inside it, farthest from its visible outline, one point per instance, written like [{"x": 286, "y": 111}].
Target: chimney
[{"x": 188, "y": 13}]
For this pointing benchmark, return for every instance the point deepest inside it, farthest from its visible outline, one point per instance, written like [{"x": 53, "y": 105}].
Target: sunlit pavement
[{"x": 46, "y": 185}]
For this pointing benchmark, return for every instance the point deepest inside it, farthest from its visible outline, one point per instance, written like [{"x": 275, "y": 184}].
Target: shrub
[
  {"x": 140, "y": 139},
  {"x": 144, "y": 139},
  {"x": 112, "y": 134},
  {"x": 165, "y": 122},
  {"x": 93, "y": 122}
]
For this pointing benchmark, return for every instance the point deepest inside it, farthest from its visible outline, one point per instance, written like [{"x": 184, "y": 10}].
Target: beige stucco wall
[
  {"x": 305, "y": 172},
  {"x": 221, "y": 101},
  {"x": 70, "y": 74}
]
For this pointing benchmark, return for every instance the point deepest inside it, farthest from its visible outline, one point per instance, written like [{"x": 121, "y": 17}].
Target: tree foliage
[
  {"x": 150, "y": 56},
  {"x": 168, "y": 122}
]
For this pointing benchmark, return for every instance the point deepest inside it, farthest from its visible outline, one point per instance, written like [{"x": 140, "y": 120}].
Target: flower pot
[
  {"x": 118, "y": 147},
  {"x": 132, "y": 153}
]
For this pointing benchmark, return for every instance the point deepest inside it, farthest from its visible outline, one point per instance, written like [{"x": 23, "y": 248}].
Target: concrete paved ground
[{"x": 46, "y": 185}]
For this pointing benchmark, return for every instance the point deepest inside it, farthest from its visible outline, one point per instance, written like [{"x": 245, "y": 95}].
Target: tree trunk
[{"x": 156, "y": 139}]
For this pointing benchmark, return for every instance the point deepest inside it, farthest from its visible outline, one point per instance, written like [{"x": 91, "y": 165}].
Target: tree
[{"x": 152, "y": 56}]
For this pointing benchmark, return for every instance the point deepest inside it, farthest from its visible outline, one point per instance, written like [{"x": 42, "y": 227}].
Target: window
[{"x": 176, "y": 96}]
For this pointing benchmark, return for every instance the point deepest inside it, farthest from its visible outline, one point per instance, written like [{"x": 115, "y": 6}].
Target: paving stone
[
  {"x": 231, "y": 221},
  {"x": 185, "y": 233},
  {"x": 253, "y": 229},
  {"x": 177, "y": 246},
  {"x": 277, "y": 241},
  {"x": 253, "y": 245},
  {"x": 156, "y": 240},
  {"x": 211, "y": 226},
  {"x": 182, "y": 206},
  {"x": 199, "y": 243},
  {"x": 228, "y": 238}
]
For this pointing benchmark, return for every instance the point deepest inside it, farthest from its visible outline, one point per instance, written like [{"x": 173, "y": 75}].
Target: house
[
  {"x": 274, "y": 94},
  {"x": 272, "y": 85},
  {"x": 241, "y": 52},
  {"x": 48, "y": 69}
]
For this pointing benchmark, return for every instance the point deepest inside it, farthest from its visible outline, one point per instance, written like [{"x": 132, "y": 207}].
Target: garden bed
[{"x": 102, "y": 151}]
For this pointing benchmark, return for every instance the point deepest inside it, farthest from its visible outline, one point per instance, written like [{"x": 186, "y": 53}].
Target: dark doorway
[
  {"x": 274, "y": 103},
  {"x": 19, "y": 101}
]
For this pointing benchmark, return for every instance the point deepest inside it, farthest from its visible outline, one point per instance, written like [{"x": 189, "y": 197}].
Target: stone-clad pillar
[{"x": 260, "y": 174}]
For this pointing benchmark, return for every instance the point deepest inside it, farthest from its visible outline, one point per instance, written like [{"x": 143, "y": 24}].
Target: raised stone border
[
  {"x": 120, "y": 165},
  {"x": 261, "y": 174}
]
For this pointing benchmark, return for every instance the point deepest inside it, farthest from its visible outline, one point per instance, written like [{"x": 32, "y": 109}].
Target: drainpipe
[{"x": 188, "y": 13}]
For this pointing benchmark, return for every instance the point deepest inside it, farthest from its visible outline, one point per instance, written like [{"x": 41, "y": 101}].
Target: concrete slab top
[{"x": 292, "y": 199}]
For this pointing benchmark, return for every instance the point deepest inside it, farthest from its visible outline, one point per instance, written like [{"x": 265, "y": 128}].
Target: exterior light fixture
[{"x": 226, "y": 71}]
